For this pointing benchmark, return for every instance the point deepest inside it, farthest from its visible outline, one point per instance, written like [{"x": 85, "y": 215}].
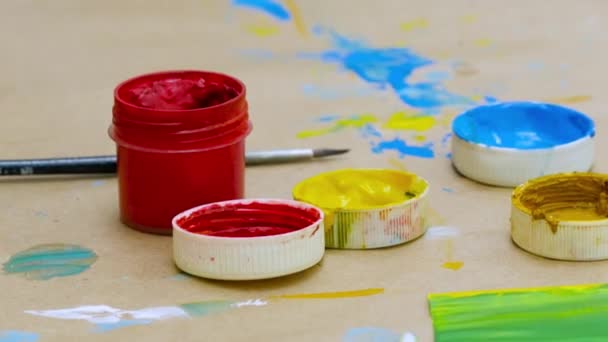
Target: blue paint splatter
[
  {"x": 399, "y": 145},
  {"x": 448, "y": 155},
  {"x": 48, "y": 261},
  {"x": 389, "y": 68},
  {"x": 370, "y": 131},
  {"x": 450, "y": 190},
  {"x": 18, "y": 336},
  {"x": 105, "y": 327},
  {"x": 373, "y": 334},
  {"x": 328, "y": 118},
  {"x": 490, "y": 99},
  {"x": 446, "y": 139},
  {"x": 273, "y": 8}
]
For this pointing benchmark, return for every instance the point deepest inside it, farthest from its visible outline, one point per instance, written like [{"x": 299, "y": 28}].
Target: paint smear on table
[
  {"x": 441, "y": 232},
  {"x": 18, "y": 336},
  {"x": 403, "y": 148},
  {"x": 418, "y": 23},
  {"x": 561, "y": 313},
  {"x": 570, "y": 99},
  {"x": 48, "y": 261},
  {"x": 389, "y": 68},
  {"x": 450, "y": 263},
  {"x": 262, "y": 31},
  {"x": 356, "y": 121},
  {"x": 409, "y": 121},
  {"x": 330, "y": 295},
  {"x": 375, "y": 334},
  {"x": 482, "y": 42},
  {"x": 270, "y": 7},
  {"x": 106, "y": 318},
  {"x": 297, "y": 16}
]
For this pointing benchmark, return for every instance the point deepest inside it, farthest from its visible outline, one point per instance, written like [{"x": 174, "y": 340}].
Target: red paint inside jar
[
  {"x": 254, "y": 219},
  {"x": 178, "y": 93},
  {"x": 180, "y": 143}
]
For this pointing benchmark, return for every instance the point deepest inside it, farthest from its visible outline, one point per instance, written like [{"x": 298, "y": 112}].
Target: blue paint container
[{"x": 508, "y": 143}]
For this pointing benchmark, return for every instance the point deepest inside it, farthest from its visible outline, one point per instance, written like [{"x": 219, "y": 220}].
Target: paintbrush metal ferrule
[{"x": 107, "y": 164}]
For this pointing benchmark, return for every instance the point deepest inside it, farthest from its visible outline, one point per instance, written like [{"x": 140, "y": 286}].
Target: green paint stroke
[
  {"x": 207, "y": 307},
  {"x": 48, "y": 261},
  {"x": 565, "y": 313}
]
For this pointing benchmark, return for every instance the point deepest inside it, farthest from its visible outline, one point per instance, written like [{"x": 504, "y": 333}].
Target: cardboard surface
[{"x": 60, "y": 61}]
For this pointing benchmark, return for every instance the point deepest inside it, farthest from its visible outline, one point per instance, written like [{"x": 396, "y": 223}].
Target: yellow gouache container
[
  {"x": 367, "y": 208},
  {"x": 562, "y": 216}
]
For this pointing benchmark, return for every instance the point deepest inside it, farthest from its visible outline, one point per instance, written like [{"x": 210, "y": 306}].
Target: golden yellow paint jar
[
  {"x": 367, "y": 208},
  {"x": 562, "y": 216}
]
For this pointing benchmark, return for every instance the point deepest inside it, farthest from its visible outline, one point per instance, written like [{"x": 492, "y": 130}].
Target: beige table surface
[{"x": 59, "y": 64}]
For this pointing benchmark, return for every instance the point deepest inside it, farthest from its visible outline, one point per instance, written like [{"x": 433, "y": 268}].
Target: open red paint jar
[{"x": 180, "y": 139}]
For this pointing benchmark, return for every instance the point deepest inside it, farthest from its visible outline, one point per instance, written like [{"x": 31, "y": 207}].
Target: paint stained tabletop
[{"x": 383, "y": 78}]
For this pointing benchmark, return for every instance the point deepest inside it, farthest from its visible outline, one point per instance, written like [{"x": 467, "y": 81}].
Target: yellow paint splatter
[
  {"x": 469, "y": 18},
  {"x": 331, "y": 295},
  {"x": 453, "y": 265},
  {"x": 420, "y": 138},
  {"x": 397, "y": 164},
  {"x": 356, "y": 122},
  {"x": 570, "y": 99},
  {"x": 262, "y": 30},
  {"x": 446, "y": 120},
  {"x": 418, "y": 23},
  {"x": 483, "y": 42},
  {"x": 297, "y": 16},
  {"x": 410, "y": 121}
]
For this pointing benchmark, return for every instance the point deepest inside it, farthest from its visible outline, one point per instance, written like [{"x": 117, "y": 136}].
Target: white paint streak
[
  {"x": 250, "y": 302},
  {"x": 441, "y": 232},
  {"x": 408, "y": 337},
  {"x": 100, "y": 314}
]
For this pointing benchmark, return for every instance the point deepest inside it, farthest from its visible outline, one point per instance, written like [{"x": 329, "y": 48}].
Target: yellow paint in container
[
  {"x": 367, "y": 208},
  {"x": 562, "y": 216}
]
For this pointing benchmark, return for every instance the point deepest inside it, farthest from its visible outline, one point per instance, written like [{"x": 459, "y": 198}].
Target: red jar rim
[{"x": 180, "y": 129}]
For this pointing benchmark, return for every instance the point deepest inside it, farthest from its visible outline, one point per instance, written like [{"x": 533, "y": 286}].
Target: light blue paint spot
[
  {"x": 181, "y": 276},
  {"x": 522, "y": 125},
  {"x": 448, "y": 155},
  {"x": 373, "y": 334},
  {"x": 98, "y": 183},
  {"x": 399, "y": 145},
  {"x": 450, "y": 190},
  {"x": 389, "y": 68},
  {"x": 445, "y": 139},
  {"x": 105, "y": 327},
  {"x": 535, "y": 66},
  {"x": 328, "y": 118},
  {"x": 18, "y": 336},
  {"x": 272, "y": 8},
  {"x": 205, "y": 308},
  {"x": 437, "y": 76},
  {"x": 48, "y": 261},
  {"x": 490, "y": 99},
  {"x": 370, "y": 131}
]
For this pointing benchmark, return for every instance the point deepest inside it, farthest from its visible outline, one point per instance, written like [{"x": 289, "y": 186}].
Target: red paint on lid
[{"x": 250, "y": 219}]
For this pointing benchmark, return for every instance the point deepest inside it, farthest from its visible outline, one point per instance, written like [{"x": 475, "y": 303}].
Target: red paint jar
[{"x": 178, "y": 154}]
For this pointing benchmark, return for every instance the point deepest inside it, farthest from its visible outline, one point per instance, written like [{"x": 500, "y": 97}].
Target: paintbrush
[{"x": 107, "y": 164}]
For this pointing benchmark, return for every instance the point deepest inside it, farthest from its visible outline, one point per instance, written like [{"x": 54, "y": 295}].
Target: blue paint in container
[{"x": 522, "y": 125}]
